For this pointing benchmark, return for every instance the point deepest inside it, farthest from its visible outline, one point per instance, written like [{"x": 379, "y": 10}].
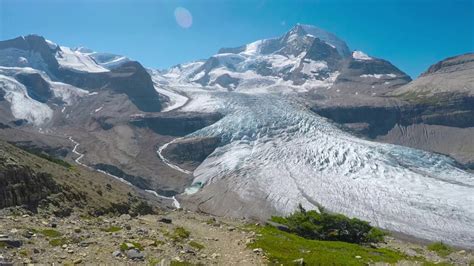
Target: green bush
[
  {"x": 440, "y": 248},
  {"x": 196, "y": 245},
  {"x": 180, "y": 234},
  {"x": 50, "y": 233},
  {"x": 328, "y": 226}
]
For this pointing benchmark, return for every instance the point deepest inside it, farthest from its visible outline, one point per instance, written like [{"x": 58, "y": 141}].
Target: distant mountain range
[{"x": 258, "y": 129}]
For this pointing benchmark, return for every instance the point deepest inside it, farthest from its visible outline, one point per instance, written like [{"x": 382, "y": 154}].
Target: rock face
[
  {"x": 191, "y": 151},
  {"x": 37, "y": 87},
  {"x": 177, "y": 124},
  {"x": 22, "y": 186}
]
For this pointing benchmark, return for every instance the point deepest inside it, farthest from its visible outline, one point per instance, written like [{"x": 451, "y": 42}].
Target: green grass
[
  {"x": 50, "y": 233},
  {"x": 136, "y": 245},
  {"x": 112, "y": 229},
  {"x": 282, "y": 248},
  {"x": 196, "y": 245},
  {"x": 56, "y": 242},
  {"x": 180, "y": 234},
  {"x": 440, "y": 248}
]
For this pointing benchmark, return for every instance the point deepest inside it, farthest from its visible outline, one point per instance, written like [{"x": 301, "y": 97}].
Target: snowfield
[
  {"x": 277, "y": 151},
  {"x": 22, "y": 105},
  {"x": 77, "y": 61},
  {"x": 25, "y": 107}
]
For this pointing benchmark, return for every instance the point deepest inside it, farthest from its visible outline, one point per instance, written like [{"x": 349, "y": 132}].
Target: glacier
[{"x": 276, "y": 150}]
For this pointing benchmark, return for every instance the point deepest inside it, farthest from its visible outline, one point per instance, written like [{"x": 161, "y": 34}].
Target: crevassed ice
[{"x": 276, "y": 150}]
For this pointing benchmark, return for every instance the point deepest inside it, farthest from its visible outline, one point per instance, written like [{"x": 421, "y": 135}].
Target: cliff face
[
  {"x": 20, "y": 186},
  {"x": 191, "y": 151},
  {"x": 177, "y": 124}
]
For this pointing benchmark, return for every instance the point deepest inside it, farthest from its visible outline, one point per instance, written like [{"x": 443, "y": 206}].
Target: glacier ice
[{"x": 276, "y": 150}]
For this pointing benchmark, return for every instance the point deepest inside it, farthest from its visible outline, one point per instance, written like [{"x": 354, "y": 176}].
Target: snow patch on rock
[{"x": 359, "y": 55}]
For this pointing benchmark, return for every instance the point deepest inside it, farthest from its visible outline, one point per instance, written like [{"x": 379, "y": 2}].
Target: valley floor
[{"x": 186, "y": 238}]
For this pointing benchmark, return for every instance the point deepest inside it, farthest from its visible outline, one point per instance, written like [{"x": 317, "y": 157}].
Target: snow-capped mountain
[
  {"x": 40, "y": 77},
  {"x": 305, "y": 59},
  {"x": 264, "y": 150}
]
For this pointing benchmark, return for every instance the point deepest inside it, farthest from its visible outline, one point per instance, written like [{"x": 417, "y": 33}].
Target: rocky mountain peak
[{"x": 305, "y": 31}]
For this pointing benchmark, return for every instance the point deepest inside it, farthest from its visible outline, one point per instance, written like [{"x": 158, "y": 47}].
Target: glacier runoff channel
[{"x": 277, "y": 151}]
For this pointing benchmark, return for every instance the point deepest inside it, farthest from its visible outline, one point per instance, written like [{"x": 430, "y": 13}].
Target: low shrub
[
  {"x": 440, "y": 248},
  {"x": 180, "y": 234},
  {"x": 112, "y": 229},
  {"x": 196, "y": 245},
  {"x": 327, "y": 226},
  {"x": 56, "y": 242},
  {"x": 50, "y": 233}
]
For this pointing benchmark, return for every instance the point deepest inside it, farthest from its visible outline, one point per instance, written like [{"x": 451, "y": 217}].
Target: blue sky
[{"x": 412, "y": 34}]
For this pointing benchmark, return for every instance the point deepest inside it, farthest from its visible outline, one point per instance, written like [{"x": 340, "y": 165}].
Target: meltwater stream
[
  {"x": 277, "y": 151},
  {"x": 175, "y": 202}
]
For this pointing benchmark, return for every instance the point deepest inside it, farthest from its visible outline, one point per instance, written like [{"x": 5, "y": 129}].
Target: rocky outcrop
[
  {"x": 177, "y": 124},
  {"x": 37, "y": 88},
  {"x": 21, "y": 186},
  {"x": 191, "y": 151}
]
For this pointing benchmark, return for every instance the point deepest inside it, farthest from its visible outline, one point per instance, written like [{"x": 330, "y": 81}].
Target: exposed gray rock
[
  {"x": 36, "y": 86},
  {"x": 20, "y": 185},
  {"x": 165, "y": 220},
  {"x": 176, "y": 124},
  {"x": 192, "y": 151},
  {"x": 10, "y": 242},
  {"x": 134, "y": 254}
]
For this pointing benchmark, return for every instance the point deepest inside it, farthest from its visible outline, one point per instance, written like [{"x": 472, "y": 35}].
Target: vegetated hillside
[{"x": 49, "y": 185}]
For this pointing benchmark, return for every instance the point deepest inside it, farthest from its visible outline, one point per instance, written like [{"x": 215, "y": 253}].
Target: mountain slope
[
  {"x": 434, "y": 112},
  {"x": 454, "y": 75},
  {"x": 69, "y": 73},
  {"x": 56, "y": 187}
]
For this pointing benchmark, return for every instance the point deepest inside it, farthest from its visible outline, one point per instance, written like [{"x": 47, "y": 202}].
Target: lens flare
[{"x": 183, "y": 17}]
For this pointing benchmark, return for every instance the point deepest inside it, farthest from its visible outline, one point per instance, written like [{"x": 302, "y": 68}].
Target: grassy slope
[
  {"x": 74, "y": 179},
  {"x": 282, "y": 248}
]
